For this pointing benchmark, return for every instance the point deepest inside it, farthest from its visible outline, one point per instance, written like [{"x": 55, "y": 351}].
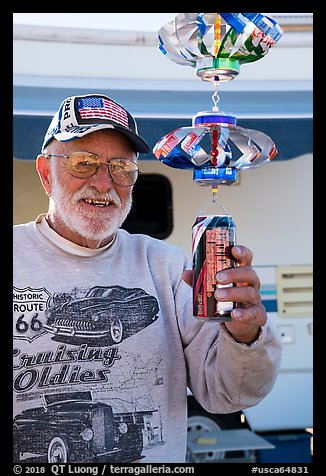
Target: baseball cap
[{"x": 78, "y": 116}]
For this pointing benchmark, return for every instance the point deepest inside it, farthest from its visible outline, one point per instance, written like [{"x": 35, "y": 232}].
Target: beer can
[{"x": 212, "y": 239}]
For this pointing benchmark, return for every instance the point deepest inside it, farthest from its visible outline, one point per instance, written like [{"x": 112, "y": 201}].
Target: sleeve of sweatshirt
[{"x": 226, "y": 376}]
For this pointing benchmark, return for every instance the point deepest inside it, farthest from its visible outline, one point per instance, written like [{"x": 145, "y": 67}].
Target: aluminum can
[{"x": 212, "y": 239}]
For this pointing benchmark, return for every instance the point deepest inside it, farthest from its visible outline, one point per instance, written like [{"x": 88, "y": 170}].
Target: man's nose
[{"x": 102, "y": 180}]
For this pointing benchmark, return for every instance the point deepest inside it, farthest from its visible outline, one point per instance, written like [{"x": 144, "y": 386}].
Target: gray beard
[{"x": 88, "y": 225}]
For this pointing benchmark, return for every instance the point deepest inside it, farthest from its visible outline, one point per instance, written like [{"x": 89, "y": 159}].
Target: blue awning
[{"x": 292, "y": 136}]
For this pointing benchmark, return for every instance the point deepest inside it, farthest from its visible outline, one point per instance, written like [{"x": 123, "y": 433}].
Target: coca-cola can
[{"x": 213, "y": 237}]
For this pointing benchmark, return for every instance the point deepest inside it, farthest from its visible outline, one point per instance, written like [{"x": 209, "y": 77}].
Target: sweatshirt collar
[{"x": 66, "y": 245}]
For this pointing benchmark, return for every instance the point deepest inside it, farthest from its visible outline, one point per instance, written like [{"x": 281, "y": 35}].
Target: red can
[{"x": 212, "y": 239}]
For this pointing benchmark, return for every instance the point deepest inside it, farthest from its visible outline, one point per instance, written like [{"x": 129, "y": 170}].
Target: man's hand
[{"x": 250, "y": 314}]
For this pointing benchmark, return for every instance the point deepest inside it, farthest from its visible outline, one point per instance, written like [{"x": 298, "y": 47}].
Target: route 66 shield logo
[{"x": 29, "y": 305}]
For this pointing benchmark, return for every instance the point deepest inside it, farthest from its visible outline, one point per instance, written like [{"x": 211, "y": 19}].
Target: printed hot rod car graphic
[
  {"x": 78, "y": 431},
  {"x": 102, "y": 315}
]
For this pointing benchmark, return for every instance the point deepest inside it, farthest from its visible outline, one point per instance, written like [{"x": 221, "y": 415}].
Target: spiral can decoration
[{"x": 216, "y": 44}]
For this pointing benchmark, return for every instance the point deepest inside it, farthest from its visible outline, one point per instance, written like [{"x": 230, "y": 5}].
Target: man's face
[{"x": 89, "y": 211}]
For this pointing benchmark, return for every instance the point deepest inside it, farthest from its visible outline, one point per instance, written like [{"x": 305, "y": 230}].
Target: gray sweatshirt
[{"x": 105, "y": 346}]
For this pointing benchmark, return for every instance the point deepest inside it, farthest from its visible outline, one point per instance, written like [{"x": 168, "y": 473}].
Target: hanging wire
[
  {"x": 215, "y": 96},
  {"x": 213, "y": 200}
]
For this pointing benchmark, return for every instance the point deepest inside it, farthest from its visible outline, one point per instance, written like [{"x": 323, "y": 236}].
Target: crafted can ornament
[
  {"x": 205, "y": 147},
  {"x": 216, "y": 44},
  {"x": 214, "y": 146}
]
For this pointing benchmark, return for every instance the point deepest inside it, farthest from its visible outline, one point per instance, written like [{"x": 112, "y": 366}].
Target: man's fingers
[
  {"x": 242, "y": 254},
  {"x": 242, "y": 273},
  {"x": 255, "y": 315},
  {"x": 239, "y": 274},
  {"x": 240, "y": 294}
]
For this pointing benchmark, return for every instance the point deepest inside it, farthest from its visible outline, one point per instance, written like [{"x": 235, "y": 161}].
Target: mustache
[{"x": 93, "y": 194}]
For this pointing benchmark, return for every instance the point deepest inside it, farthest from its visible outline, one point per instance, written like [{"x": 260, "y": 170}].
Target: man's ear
[{"x": 44, "y": 172}]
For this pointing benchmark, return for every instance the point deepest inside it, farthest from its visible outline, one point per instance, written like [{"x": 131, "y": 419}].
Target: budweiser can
[{"x": 212, "y": 239}]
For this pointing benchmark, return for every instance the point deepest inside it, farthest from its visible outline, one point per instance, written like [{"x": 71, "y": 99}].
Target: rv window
[{"x": 151, "y": 212}]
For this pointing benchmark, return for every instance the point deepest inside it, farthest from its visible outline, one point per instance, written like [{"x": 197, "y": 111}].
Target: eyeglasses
[{"x": 84, "y": 165}]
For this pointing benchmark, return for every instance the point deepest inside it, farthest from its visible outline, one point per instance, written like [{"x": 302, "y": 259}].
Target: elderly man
[{"x": 105, "y": 342}]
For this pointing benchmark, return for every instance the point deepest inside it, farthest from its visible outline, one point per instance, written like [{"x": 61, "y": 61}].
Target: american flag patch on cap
[
  {"x": 78, "y": 116},
  {"x": 101, "y": 108}
]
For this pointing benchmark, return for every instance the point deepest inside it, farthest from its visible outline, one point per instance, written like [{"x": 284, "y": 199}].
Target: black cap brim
[{"x": 139, "y": 143}]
